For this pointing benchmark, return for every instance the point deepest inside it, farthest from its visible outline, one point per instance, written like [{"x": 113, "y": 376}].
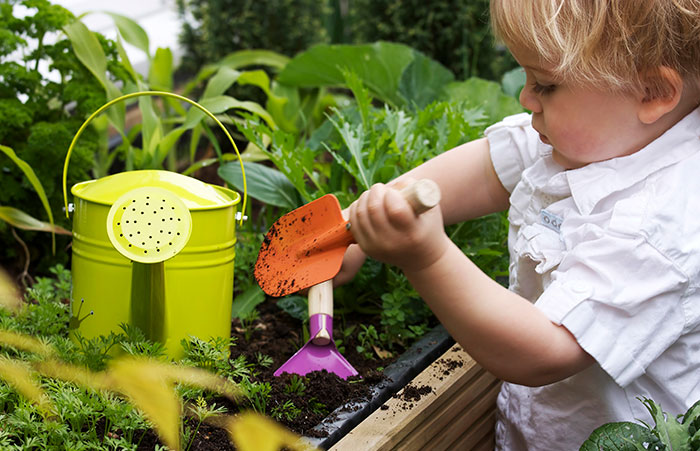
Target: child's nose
[{"x": 528, "y": 99}]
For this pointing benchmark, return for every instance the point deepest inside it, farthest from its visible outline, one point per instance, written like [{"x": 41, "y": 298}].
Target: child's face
[{"x": 582, "y": 124}]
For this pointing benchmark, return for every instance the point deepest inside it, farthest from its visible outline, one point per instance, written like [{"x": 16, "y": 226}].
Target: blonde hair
[{"x": 613, "y": 44}]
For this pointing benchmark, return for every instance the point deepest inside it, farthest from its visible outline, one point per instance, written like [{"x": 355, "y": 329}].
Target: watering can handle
[{"x": 151, "y": 93}]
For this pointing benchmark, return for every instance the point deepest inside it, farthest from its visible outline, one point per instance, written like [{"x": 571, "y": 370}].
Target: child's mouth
[{"x": 544, "y": 139}]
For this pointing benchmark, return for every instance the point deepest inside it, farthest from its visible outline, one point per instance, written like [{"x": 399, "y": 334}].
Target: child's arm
[
  {"x": 468, "y": 182},
  {"x": 504, "y": 332}
]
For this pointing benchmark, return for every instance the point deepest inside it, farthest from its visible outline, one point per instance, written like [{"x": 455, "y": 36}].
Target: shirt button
[{"x": 579, "y": 287}]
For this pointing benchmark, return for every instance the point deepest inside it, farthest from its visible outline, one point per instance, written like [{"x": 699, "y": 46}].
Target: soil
[{"x": 278, "y": 335}]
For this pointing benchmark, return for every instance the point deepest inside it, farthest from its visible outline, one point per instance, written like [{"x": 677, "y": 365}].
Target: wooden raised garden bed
[{"x": 450, "y": 405}]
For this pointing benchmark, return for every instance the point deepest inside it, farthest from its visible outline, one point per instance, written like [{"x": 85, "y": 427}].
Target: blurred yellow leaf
[
  {"x": 203, "y": 379},
  {"x": 25, "y": 343},
  {"x": 9, "y": 294},
  {"x": 253, "y": 432},
  {"x": 74, "y": 374},
  {"x": 148, "y": 386},
  {"x": 19, "y": 375}
]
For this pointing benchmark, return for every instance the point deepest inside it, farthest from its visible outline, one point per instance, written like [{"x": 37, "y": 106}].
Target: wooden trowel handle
[
  {"x": 422, "y": 195},
  {"x": 321, "y": 301},
  {"x": 321, "y": 298}
]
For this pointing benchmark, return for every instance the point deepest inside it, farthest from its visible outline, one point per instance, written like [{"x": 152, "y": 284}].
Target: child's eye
[{"x": 543, "y": 89}]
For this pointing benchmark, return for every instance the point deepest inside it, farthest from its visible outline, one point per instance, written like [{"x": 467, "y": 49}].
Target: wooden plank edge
[
  {"x": 389, "y": 425},
  {"x": 457, "y": 416}
]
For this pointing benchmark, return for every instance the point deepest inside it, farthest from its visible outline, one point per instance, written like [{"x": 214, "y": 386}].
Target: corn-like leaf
[
  {"x": 20, "y": 376},
  {"x": 220, "y": 104},
  {"x": 36, "y": 184},
  {"x": 125, "y": 58},
  {"x": 152, "y": 129},
  {"x": 217, "y": 85},
  {"x": 160, "y": 75},
  {"x": 253, "y": 432},
  {"x": 25, "y": 343},
  {"x": 243, "y": 58},
  {"x": 88, "y": 50},
  {"x": 21, "y": 220},
  {"x": 131, "y": 31},
  {"x": 9, "y": 294}
]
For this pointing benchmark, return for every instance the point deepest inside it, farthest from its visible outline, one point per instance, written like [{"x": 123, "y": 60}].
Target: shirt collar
[{"x": 593, "y": 182}]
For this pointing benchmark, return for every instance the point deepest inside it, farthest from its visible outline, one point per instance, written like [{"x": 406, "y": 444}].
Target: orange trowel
[{"x": 306, "y": 246}]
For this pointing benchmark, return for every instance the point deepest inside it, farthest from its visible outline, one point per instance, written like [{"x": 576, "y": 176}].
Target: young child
[{"x": 602, "y": 183}]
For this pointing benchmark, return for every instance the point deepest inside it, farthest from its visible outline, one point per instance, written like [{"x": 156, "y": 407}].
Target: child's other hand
[
  {"x": 387, "y": 229},
  {"x": 353, "y": 260}
]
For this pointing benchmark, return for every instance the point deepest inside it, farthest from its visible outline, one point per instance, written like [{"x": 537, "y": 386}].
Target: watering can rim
[{"x": 234, "y": 197}]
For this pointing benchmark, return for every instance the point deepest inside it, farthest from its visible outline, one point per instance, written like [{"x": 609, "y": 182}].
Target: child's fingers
[
  {"x": 359, "y": 221},
  {"x": 368, "y": 219},
  {"x": 376, "y": 207},
  {"x": 398, "y": 212}
]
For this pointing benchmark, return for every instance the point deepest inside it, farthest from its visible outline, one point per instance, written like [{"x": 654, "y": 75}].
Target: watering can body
[{"x": 197, "y": 283}]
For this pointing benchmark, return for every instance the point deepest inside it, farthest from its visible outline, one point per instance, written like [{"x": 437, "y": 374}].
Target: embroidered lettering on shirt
[{"x": 550, "y": 220}]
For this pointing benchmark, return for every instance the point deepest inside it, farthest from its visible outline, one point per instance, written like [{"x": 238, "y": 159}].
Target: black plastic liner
[{"x": 418, "y": 357}]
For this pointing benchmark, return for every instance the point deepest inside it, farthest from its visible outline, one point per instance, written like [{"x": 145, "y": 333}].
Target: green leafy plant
[
  {"x": 363, "y": 144},
  {"x": 295, "y": 386},
  {"x": 368, "y": 338},
  {"x": 50, "y": 402},
  {"x": 45, "y": 95},
  {"x": 211, "y": 31},
  {"x": 287, "y": 411},
  {"x": 396, "y": 74},
  {"x": 454, "y": 32},
  {"x": 668, "y": 433},
  {"x": 211, "y": 355},
  {"x": 263, "y": 360},
  {"x": 258, "y": 394},
  {"x": 202, "y": 411}
]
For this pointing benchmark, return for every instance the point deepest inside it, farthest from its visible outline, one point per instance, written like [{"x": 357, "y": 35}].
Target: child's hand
[
  {"x": 353, "y": 260},
  {"x": 387, "y": 229}
]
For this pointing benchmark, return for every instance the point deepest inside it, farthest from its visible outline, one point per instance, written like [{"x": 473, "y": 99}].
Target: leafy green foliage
[
  {"x": 40, "y": 113},
  {"x": 454, "y": 32},
  {"x": 213, "y": 29},
  {"x": 364, "y": 144},
  {"x": 87, "y": 418},
  {"x": 396, "y": 74},
  {"x": 246, "y": 302},
  {"x": 681, "y": 433},
  {"x": 296, "y": 385},
  {"x": 368, "y": 338}
]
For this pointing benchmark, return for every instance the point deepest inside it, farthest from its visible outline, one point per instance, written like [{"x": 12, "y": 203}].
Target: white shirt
[{"x": 611, "y": 251}]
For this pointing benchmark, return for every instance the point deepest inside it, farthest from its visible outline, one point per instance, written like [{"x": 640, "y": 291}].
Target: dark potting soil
[
  {"x": 326, "y": 397},
  {"x": 277, "y": 335}
]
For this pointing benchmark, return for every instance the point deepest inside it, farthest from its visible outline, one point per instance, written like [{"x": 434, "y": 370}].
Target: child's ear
[{"x": 662, "y": 95}]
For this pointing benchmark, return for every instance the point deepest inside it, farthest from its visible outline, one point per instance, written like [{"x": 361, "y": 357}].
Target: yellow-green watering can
[{"x": 154, "y": 249}]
